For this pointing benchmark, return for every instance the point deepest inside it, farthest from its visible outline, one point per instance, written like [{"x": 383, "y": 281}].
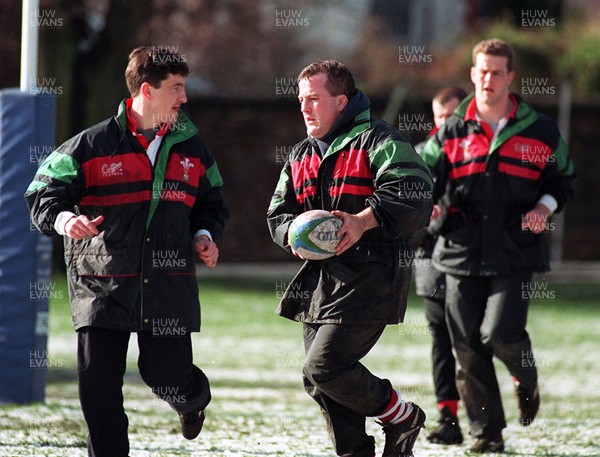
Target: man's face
[
  {"x": 491, "y": 78},
  {"x": 441, "y": 112},
  {"x": 319, "y": 108},
  {"x": 166, "y": 100}
]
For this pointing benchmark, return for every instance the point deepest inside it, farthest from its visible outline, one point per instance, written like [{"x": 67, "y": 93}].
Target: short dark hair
[
  {"x": 339, "y": 79},
  {"x": 153, "y": 64},
  {"x": 495, "y": 47},
  {"x": 446, "y": 94}
]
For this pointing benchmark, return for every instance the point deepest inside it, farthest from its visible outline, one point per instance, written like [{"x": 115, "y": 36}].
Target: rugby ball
[{"x": 313, "y": 234}]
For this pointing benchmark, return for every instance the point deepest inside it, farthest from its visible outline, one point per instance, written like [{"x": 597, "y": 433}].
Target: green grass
[{"x": 254, "y": 360}]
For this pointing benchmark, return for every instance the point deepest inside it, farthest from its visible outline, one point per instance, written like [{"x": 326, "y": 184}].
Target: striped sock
[{"x": 396, "y": 411}]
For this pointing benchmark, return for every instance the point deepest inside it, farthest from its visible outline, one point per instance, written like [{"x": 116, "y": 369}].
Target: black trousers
[
  {"x": 487, "y": 317},
  {"x": 165, "y": 364},
  {"x": 442, "y": 358},
  {"x": 345, "y": 389}
]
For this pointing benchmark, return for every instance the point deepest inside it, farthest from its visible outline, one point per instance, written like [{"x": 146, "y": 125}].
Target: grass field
[{"x": 254, "y": 359}]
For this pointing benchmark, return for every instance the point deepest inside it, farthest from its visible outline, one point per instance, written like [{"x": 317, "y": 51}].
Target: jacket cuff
[
  {"x": 549, "y": 202},
  {"x": 202, "y": 232},
  {"x": 61, "y": 220}
]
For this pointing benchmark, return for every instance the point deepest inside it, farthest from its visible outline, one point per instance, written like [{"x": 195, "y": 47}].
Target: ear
[
  {"x": 146, "y": 90},
  {"x": 342, "y": 101},
  {"x": 473, "y": 75},
  {"x": 511, "y": 76}
]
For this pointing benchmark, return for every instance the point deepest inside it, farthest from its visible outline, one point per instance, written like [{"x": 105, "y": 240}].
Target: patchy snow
[{"x": 259, "y": 407}]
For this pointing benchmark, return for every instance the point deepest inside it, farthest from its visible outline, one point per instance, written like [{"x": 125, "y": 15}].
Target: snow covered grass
[{"x": 254, "y": 358}]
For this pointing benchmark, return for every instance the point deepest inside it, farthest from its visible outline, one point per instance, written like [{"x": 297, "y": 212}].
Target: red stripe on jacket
[
  {"x": 471, "y": 168},
  {"x": 117, "y": 169},
  {"x": 353, "y": 163},
  {"x": 116, "y": 199},
  {"x": 528, "y": 150},
  {"x": 521, "y": 172},
  {"x": 305, "y": 170},
  {"x": 351, "y": 189}
]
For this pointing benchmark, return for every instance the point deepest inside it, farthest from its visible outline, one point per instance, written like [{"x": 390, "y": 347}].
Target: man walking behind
[
  {"x": 431, "y": 285},
  {"x": 501, "y": 170}
]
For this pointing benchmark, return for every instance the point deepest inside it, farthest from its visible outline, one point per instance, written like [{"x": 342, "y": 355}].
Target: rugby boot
[
  {"x": 400, "y": 438},
  {"x": 447, "y": 431}
]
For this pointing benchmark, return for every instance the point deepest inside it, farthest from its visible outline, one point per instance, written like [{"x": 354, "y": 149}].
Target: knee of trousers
[
  {"x": 496, "y": 340},
  {"x": 163, "y": 379},
  {"x": 318, "y": 376}
]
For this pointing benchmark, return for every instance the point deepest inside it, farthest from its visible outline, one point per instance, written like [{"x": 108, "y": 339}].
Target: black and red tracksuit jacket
[
  {"x": 138, "y": 273},
  {"x": 486, "y": 184},
  {"x": 368, "y": 164}
]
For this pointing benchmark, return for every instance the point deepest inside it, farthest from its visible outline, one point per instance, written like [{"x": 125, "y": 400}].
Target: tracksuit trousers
[
  {"x": 442, "y": 358},
  {"x": 345, "y": 389},
  {"x": 165, "y": 365},
  {"x": 486, "y": 318}
]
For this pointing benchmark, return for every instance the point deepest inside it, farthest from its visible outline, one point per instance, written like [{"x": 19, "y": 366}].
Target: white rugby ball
[{"x": 313, "y": 234}]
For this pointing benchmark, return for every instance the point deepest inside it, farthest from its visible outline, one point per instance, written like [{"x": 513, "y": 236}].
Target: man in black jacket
[
  {"x": 133, "y": 196},
  {"x": 431, "y": 285},
  {"x": 367, "y": 174},
  {"x": 501, "y": 170}
]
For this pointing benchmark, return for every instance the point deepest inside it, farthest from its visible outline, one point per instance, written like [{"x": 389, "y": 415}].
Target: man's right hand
[{"x": 81, "y": 227}]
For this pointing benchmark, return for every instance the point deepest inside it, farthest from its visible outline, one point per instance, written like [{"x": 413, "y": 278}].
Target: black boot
[{"x": 448, "y": 430}]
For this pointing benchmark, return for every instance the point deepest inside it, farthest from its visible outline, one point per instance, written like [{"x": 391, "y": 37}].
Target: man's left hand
[
  {"x": 536, "y": 220},
  {"x": 353, "y": 228},
  {"x": 207, "y": 251}
]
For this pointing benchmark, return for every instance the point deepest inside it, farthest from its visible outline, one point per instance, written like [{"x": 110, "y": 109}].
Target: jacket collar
[{"x": 181, "y": 130}]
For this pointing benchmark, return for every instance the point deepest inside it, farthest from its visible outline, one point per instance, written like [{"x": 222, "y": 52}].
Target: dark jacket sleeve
[
  {"x": 56, "y": 186},
  {"x": 558, "y": 177},
  {"x": 433, "y": 155},
  {"x": 283, "y": 208},
  {"x": 210, "y": 211},
  {"x": 402, "y": 199}
]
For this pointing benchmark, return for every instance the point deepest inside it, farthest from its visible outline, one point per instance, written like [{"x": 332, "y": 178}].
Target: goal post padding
[{"x": 27, "y": 136}]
